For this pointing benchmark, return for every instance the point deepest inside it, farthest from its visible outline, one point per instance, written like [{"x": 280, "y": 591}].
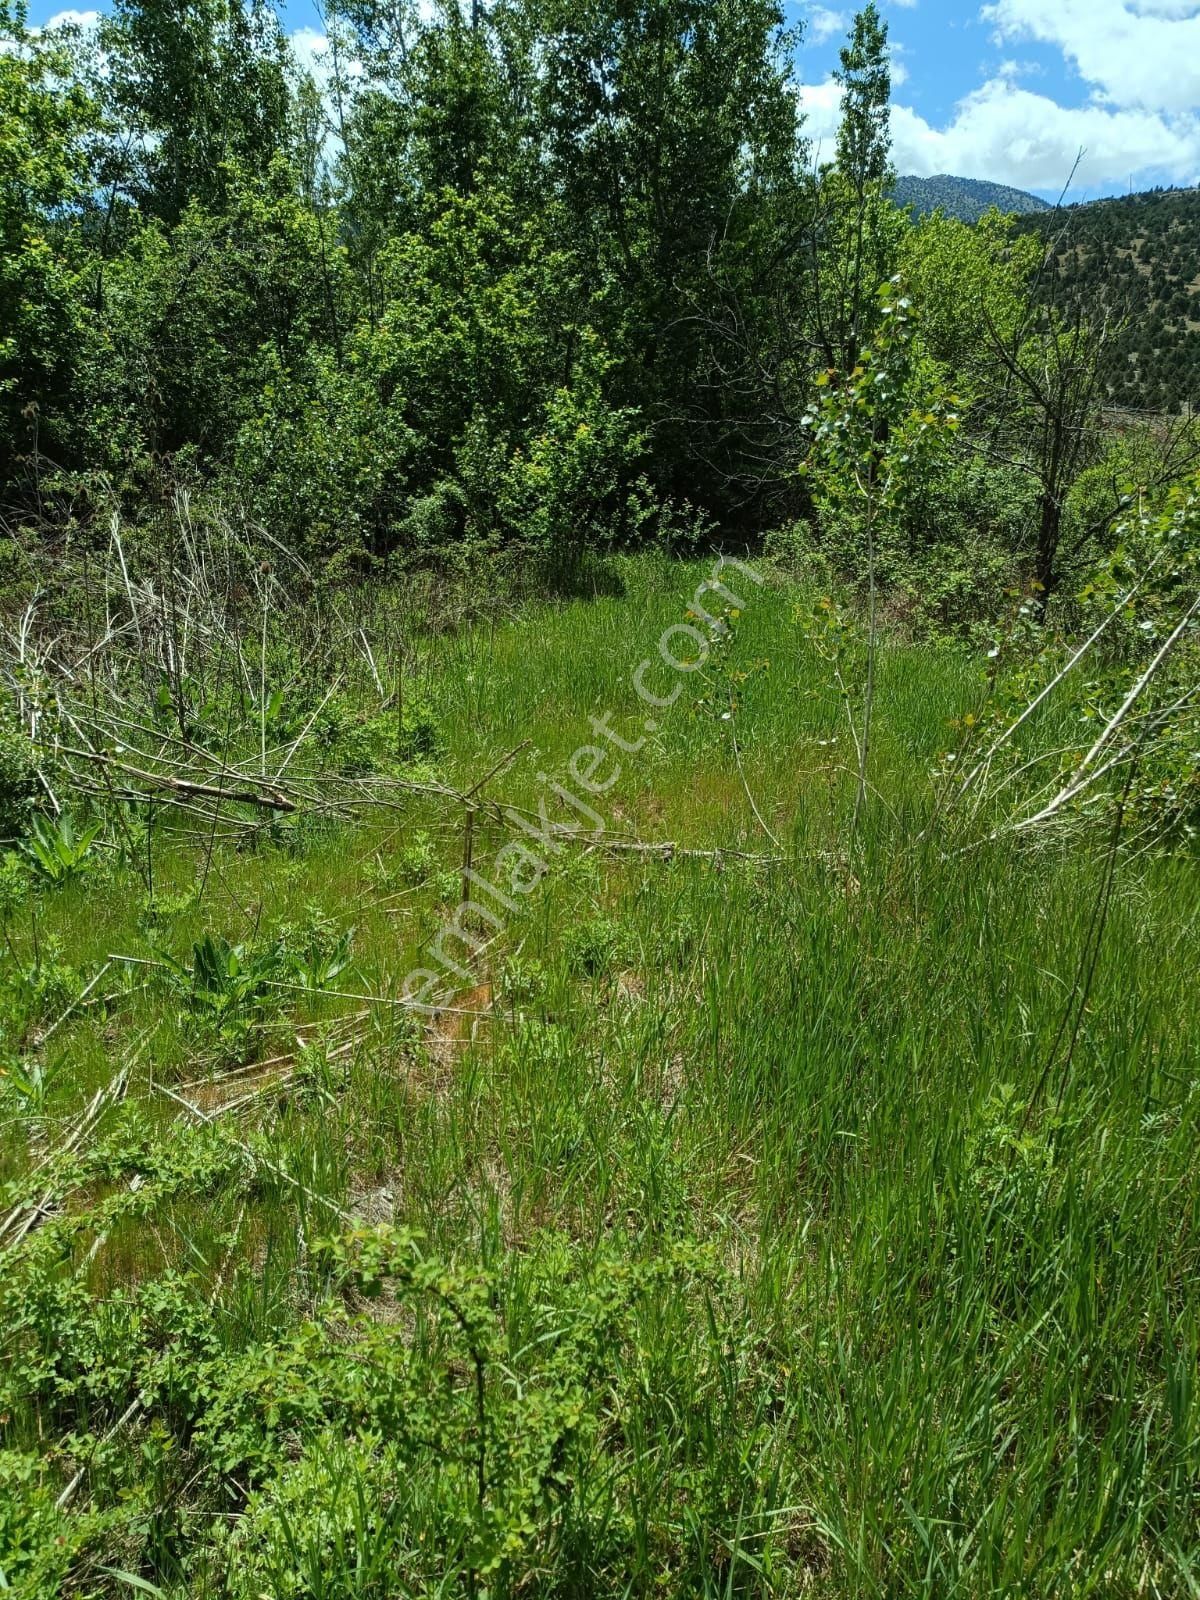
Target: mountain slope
[
  {"x": 1138, "y": 259},
  {"x": 963, "y": 198}
]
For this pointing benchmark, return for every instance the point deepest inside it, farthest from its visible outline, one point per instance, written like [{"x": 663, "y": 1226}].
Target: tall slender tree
[
  {"x": 669, "y": 144},
  {"x": 863, "y": 162},
  {"x": 854, "y": 234},
  {"x": 864, "y": 138},
  {"x": 46, "y": 121}
]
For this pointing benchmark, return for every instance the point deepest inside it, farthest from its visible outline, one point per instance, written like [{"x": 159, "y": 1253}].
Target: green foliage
[
  {"x": 879, "y": 426},
  {"x": 201, "y": 317},
  {"x": 440, "y": 427},
  {"x": 232, "y": 988},
  {"x": 224, "y": 980},
  {"x": 593, "y": 948},
  {"x": 971, "y": 285},
  {"x": 27, "y": 1082},
  {"x": 57, "y": 852},
  {"x": 323, "y": 460},
  {"x": 46, "y": 117},
  {"x": 748, "y": 1224},
  {"x": 673, "y": 209},
  {"x": 205, "y": 86},
  {"x": 1157, "y": 556},
  {"x": 355, "y": 745},
  {"x": 1126, "y": 707},
  {"x": 578, "y": 1287},
  {"x": 318, "y": 950},
  {"x": 864, "y": 136},
  {"x": 19, "y": 786},
  {"x": 457, "y": 306},
  {"x": 41, "y": 990},
  {"x": 410, "y": 349},
  {"x": 14, "y": 884},
  {"x": 37, "y": 1558},
  {"x": 523, "y": 982}
]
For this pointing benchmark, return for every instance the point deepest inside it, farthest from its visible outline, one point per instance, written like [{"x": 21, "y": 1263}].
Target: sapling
[{"x": 875, "y": 430}]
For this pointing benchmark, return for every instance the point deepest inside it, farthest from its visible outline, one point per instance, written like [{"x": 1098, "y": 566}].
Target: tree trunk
[{"x": 1046, "y": 566}]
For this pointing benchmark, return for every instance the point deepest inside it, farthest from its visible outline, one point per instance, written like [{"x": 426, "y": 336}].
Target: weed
[
  {"x": 14, "y": 885},
  {"x": 45, "y": 986},
  {"x": 60, "y": 854},
  {"x": 158, "y": 913},
  {"x": 594, "y": 947},
  {"x": 26, "y": 1082},
  {"x": 523, "y": 981},
  {"x": 316, "y": 950},
  {"x": 415, "y": 862}
]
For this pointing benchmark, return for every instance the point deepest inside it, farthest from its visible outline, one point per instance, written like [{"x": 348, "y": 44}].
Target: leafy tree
[
  {"x": 197, "y": 314},
  {"x": 968, "y": 281},
  {"x": 864, "y": 175},
  {"x": 876, "y": 430},
  {"x": 864, "y": 136},
  {"x": 539, "y": 273},
  {"x": 46, "y": 121},
  {"x": 667, "y": 134},
  {"x": 1046, "y": 419},
  {"x": 431, "y": 114},
  {"x": 199, "y": 89}
]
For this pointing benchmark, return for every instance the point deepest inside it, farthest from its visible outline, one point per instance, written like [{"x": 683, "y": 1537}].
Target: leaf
[{"x": 134, "y": 1582}]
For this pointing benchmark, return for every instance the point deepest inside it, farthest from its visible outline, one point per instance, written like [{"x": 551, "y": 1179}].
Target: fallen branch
[
  {"x": 1083, "y": 775},
  {"x": 667, "y": 851},
  {"x": 263, "y": 796},
  {"x": 27, "y": 1215}
]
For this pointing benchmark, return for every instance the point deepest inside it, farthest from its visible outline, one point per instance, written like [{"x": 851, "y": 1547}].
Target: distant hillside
[
  {"x": 964, "y": 198},
  {"x": 1139, "y": 257}
]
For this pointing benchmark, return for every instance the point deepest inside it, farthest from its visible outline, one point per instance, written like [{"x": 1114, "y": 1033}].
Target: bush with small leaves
[
  {"x": 593, "y": 947},
  {"x": 18, "y": 780}
]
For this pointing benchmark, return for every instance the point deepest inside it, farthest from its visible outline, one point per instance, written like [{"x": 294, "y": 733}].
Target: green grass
[{"x": 757, "y": 1233}]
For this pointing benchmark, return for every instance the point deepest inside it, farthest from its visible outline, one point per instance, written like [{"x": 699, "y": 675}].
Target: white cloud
[
  {"x": 77, "y": 19},
  {"x": 1143, "y": 53},
  {"x": 824, "y": 24},
  {"x": 821, "y": 104},
  {"x": 311, "y": 52},
  {"x": 1011, "y": 135},
  {"x": 309, "y": 46},
  {"x": 86, "y": 20},
  {"x": 1141, "y": 62}
]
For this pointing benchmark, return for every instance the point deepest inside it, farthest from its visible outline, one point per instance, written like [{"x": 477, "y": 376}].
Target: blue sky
[
  {"x": 1012, "y": 90},
  {"x": 1009, "y": 90}
]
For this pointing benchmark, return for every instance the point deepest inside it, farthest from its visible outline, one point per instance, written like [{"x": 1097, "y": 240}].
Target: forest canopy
[
  {"x": 529, "y": 276},
  {"x": 544, "y": 280}
]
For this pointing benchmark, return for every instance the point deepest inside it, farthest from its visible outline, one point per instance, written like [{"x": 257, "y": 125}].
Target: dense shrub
[{"x": 18, "y": 777}]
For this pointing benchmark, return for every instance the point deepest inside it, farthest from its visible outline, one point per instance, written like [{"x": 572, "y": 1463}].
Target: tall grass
[{"x": 760, "y": 1204}]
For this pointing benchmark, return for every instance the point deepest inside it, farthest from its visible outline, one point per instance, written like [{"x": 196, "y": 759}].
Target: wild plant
[{"x": 58, "y": 852}]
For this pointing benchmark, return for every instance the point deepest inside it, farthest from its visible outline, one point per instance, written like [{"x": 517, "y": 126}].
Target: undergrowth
[{"x": 750, "y": 1224}]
